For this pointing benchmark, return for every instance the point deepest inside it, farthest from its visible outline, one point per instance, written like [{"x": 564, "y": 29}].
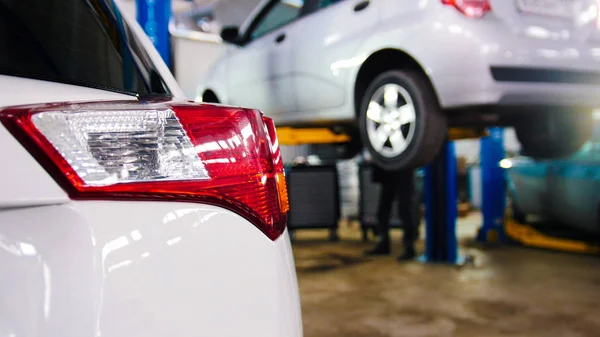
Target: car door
[
  {"x": 326, "y": 49},
  {"x": 259, "y": 68}
]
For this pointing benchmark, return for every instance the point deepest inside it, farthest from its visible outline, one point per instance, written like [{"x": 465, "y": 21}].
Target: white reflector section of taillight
[{"x": 110, "y": 147}]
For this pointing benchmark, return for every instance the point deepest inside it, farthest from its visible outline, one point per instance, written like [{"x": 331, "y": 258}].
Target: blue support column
[
  {"x": 441, "y": 208},
  {"x": 493, "y": 183},
  {"x": 154, "y": 16}
]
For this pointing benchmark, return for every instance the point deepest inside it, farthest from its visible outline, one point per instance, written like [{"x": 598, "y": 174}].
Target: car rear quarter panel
[
  {"x": 122, "y": 269},
  {"x": 457, "y": 53},
  {"x": 443, "y": 43}
]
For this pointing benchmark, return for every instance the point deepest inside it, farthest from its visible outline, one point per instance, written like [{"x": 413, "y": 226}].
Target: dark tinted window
[
  {"x": 325, "y": 3},
  {"x": 280, "y": 13},
  {"x": 74, "y": 41}
]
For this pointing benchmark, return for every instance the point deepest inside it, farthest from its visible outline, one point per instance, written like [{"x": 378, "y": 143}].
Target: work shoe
[
  {"x": 381, "y": 248},
  {"x": 407, "y": 255}
]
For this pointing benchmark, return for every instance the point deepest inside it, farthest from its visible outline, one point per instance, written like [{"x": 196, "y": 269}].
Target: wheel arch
[
  {"x": 381, "y": 61},
  {"x": 209, "y": 96}
]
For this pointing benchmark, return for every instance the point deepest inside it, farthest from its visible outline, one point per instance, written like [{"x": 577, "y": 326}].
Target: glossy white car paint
[
  {"x": 129, "y": 268},
  {"x": 310, "y": 77},
  {"x": 24, "y": 182},
  {"x": 123, "y": 269}
]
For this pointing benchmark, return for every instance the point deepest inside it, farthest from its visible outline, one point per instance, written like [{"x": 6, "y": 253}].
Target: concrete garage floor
[{"x": 507, "y": 291}]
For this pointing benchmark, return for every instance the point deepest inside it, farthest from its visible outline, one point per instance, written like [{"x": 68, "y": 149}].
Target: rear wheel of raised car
[
  {"x": 401, "y": 123},
  {"x": 554, "y": 134}
]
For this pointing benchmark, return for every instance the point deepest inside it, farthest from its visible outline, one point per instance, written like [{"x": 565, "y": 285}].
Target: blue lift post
[
  {"x": 493, "y": 183},
  {"x": 441, "y": 208},
  {"x": 154, "y": 16}
]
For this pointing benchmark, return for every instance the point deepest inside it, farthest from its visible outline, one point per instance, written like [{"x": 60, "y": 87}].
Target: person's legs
[
  {"x": 386, "y": 199},
  {"x": 408, "y": 215},
  {"x": 410, "y": 230}
]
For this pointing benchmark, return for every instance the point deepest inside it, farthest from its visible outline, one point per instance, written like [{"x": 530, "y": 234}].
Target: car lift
[
  {"x": 493, "y": 182},
  {"x": 440, "y": 182},
  {"x": 499, "y": 227},
  {"x": 441, "y": 205},
  {"x": 441, "y": 200},
  {"x": 531, "y": 237}
]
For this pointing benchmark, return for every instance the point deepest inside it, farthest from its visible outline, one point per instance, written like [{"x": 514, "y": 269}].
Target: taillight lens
[
  {"x": 278, "y": 162},
  {"x": 185, "y": 152},
  {"x": 471, "y": 8}
]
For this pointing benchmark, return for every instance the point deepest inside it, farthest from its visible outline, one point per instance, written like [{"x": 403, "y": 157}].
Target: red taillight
[
  {"x": 471, "y": 8},
  {"x": 284, "y": 203},
  {"x": 160, "y": 151}
]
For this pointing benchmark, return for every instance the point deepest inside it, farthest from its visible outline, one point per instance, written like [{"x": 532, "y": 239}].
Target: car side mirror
[{"x": 231, "y": 34}]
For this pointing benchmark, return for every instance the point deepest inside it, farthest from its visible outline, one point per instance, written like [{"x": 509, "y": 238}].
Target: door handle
[
  {"x": 362, "y": 5},
  {"x": 280, "y": 38}
]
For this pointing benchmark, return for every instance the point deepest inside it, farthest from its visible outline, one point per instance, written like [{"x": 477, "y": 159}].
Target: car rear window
[{"x": 81, "y": 42}]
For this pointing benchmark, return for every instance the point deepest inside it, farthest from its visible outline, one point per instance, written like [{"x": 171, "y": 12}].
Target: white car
[
  {"x": 125, "y": 210},
  {"x": 399, "y": 72}
]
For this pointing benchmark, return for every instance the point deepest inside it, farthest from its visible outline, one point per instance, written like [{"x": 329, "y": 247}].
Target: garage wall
[
  {"x": 289, "y": 153},
  {"x": 234, "y": 12},
  {"x": 192, "y": 59},
  {"x": 194, "y": 56}
]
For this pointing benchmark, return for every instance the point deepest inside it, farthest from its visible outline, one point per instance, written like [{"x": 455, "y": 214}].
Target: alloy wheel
[{"x": 391, "y": 120}]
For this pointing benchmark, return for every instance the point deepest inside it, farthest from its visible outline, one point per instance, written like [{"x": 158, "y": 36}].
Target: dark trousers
[
  {"x": 402, "y": 190},
  {"x": 462, "y": 185}
]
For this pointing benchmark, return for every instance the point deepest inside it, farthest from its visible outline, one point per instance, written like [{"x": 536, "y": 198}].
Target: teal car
[{"x": 563, "y": 190}]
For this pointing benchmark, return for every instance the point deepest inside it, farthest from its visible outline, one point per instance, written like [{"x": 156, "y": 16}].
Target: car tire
[
  {"x": 555, "y": 135},
  {"x": 405, "y": 129},
  {"x": 210, "y": 97}
]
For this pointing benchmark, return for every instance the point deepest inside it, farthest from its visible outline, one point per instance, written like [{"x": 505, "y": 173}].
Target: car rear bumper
[
  {"x": 484, "y": 62},
  {"x": 525, "y": 86},
  {"x": 119, "y": 269}
]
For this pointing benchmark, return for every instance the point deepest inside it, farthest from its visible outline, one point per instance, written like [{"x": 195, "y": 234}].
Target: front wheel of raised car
[{"x": 401, "y": 123}]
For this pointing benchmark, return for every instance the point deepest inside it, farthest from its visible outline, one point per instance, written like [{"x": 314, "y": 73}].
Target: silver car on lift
[{"x": 399, "y": 72}]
